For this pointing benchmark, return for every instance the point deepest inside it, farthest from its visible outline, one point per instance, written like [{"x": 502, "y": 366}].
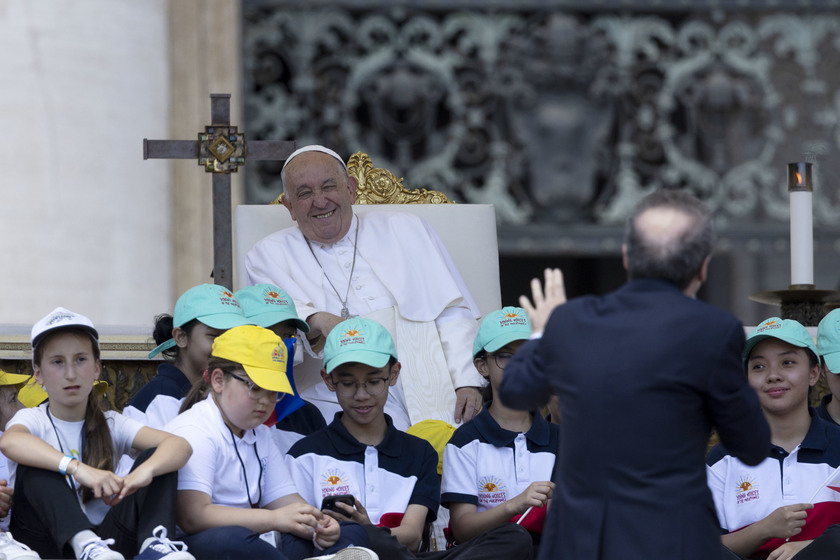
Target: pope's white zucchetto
[{"x": 313, "y": 148}]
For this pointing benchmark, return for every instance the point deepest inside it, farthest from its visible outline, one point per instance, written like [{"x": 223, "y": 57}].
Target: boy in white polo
[
  {"x": 497, "y": 467},
  {"x": 787, "y": 504},
  {"x": 828, "y": 345},
  {"x": 391, "y": 475}
]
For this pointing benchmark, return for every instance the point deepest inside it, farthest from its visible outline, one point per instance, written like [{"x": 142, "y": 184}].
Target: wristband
[{"x": 62, "y": 465}]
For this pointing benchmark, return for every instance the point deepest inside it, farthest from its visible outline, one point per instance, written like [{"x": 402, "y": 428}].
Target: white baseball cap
[{"x": 61, "y": 318}]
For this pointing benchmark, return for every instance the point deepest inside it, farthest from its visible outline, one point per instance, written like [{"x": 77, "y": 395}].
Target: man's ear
[
  {"x": 327, "y": 379},
  {"x": 352, "y": 184},
  {"x": 285, "y": 200},
  {"x": 703, "y": 274},
  {"x": 395, "y": 373}
]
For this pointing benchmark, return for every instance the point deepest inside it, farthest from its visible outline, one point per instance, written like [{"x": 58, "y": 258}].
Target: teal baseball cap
[
  {"x": 786, "y": 330},
  {"x": 211, "y": 304},
  {"x": 828, "y": 341},
  {"x": 266, "y": 305},
  {"x": 501, "y": 327},
  {"x": 358, "y": 340}
]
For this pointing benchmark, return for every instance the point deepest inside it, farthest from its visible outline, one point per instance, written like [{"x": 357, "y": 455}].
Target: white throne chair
[{"x": 467, "y": 230}]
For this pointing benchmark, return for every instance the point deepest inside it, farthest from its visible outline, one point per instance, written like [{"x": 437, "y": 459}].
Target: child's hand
[
  {"x": 544, "y": 302},
  {"x": 788, "y": 550},
  {"x": 136, "y": 479},
  {"x": 349, "y": 513},
  {"x": 104, "y": 484},
  {"x": 786, "y": 521},
  {"x": 327, "y": 532},
  {"x": 536, "y": 495},
  {"x": 6, "y": 493},
  {"x": 299, "y": 519}
]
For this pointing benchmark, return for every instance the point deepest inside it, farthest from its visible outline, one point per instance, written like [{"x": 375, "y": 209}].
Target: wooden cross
[{"x": 220, "y": 149}]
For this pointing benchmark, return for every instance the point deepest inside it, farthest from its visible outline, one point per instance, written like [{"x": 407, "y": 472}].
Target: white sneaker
[
  {"x": 349, "y": 553},
  {"x": 158, "y": 547},
  {"x": 10, "y": 549},
  {"x": 97, "y": 549}
]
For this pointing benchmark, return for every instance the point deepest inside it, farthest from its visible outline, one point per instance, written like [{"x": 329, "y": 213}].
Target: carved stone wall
[{"x": 563, "y": 114}]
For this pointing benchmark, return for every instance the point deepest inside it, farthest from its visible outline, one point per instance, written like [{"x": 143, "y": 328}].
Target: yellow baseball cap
[
  {"x": 261, "y": 353},
  {"x": 13, "y": 378}
]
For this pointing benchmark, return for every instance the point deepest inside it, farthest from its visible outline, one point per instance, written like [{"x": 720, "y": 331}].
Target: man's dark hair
[{"x": 678, "y": 259}]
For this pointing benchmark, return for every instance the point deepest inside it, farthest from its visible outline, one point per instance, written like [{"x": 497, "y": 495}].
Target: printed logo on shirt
[
  {"x": 746, "y": 490},
  {"x": 272, "y": 297},
  {"x": 334, "y": 481},
  {"x": 491, "y": 491},
  {"x": 512, "y": 318}
]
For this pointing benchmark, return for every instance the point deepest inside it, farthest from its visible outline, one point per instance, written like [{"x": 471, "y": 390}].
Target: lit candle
[{"x": 801, "y": 224}]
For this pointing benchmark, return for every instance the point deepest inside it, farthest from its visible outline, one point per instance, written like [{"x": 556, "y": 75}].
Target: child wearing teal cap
[
  {"x": 362, "y": 446},
  {"x": 785, "y": 505},
  {"x": 268, "y": 306},
  {"x": 185, "y": 339},
  {"x": 481, "y": 485},
  {"x": 828, "y": 345}
]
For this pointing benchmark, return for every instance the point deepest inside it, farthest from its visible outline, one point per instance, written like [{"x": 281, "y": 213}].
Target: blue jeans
[{"x": 234, "y": 542}]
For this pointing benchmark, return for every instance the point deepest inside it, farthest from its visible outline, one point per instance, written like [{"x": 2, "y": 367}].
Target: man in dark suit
[{"x": 642, "y": 375}]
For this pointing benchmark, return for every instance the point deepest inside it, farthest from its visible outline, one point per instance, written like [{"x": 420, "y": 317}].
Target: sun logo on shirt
[
  {"x": 333, "y": 477},
  {"x": 490, "y": 484},
  {"x": 745, "y": 485}
]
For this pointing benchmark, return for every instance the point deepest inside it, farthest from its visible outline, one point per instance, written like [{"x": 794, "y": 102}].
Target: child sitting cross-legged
[
  {"x": 497, "y": 467},
  {"x": 235, "y": 496},
  {"x": 787, "y": 506},
  {"x": 378, "y": 476},
  {"x": 68, "y": 502}
]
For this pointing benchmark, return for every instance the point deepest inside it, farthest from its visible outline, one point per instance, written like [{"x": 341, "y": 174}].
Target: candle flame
[{"x": 798, "y": 178}]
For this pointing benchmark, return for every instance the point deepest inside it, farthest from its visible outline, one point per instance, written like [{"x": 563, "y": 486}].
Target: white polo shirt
[
  {"x": 744, "y": 494},
  {"x": 400, "y": 471},
  {"x": 215, "y": 468},
  {"x": 486, "y": 465}
]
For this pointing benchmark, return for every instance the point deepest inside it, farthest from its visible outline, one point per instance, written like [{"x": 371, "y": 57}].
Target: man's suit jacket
[{"x": 642, "y": 374}]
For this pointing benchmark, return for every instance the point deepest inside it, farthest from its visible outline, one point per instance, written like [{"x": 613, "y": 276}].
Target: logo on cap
[
  {"x": 226, "y": 298},
  {"x": 274, "y": 298},
  {"x": 58, "y": 317},
  {"x": 767, "y": 325},
  {"x": 279, "y": 355},
  {"x": 352, "y": 336},
  {"x": 512, "y": 318}
]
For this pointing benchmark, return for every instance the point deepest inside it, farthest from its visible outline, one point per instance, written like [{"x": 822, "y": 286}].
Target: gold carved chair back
[{"x": 379, "y": 186}]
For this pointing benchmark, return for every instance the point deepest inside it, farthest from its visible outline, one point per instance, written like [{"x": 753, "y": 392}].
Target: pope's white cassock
[{"x": 404, "y": 278}]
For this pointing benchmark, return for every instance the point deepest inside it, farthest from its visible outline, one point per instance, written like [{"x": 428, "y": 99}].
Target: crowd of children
[{"x": 219, "y": 450}]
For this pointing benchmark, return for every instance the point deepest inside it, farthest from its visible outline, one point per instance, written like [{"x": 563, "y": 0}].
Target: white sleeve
[
  {"x": 123, "y": 432},
  {"x": 161, "y": 410},
  {"x": 200, "y": 471},
  {"x": 278, "y": 481},
  {"x": 459, "y": 471},
  {"x": 716, "y": 479},
  {"x": 301, "y": 469},
  {"x": 457, "y": 329}
]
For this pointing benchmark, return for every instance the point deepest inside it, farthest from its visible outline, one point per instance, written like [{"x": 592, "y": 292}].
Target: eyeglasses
[
  {"x": 373, "y": 387},
  {"x": 255, "y": 391},
  {"x": 501, "y": 359}
]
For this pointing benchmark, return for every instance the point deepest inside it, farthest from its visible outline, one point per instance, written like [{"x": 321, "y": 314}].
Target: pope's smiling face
[{"x": 319, "y": 195}]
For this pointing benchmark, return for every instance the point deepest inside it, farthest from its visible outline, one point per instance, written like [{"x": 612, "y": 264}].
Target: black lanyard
[
  {"x": 244, "y": 473},
  {"x": 61, "y": 447}
]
